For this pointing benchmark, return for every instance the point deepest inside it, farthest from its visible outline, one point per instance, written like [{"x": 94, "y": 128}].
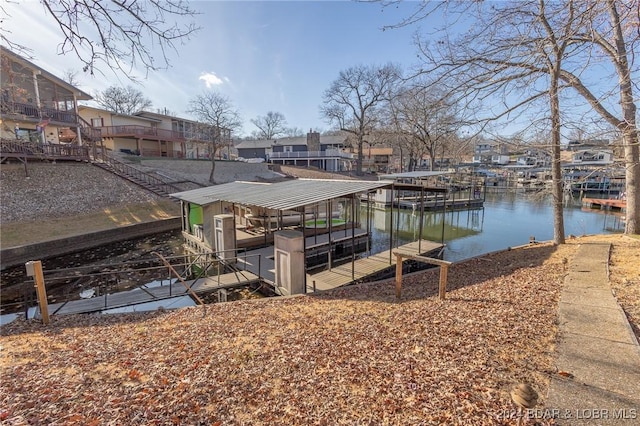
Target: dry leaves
[{"x": 349, "y": 356}]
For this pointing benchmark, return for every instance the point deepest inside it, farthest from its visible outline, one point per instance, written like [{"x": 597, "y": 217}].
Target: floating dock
[
  {"x": 460, "y": 204},
  {"x": 605, "y": 204}
]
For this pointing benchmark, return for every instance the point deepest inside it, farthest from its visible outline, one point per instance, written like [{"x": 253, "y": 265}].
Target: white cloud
[{"x": 211, "y": 79}]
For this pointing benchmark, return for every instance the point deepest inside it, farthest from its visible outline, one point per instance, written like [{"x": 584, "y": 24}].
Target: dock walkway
[
  {"x": 144, "y": 294},
  {"x": 609, "y": 204},
  {"x": 367, "y": 267}
]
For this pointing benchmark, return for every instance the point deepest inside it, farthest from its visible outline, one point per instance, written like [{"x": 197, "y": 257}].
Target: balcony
[
  {"x": 28, "y": 149},
  {"x": 30, "y": 112},
  {"x": 146, "y": 132}
]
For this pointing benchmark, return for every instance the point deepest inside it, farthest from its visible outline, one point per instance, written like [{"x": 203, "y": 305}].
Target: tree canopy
[{"x": 122, "y": 100}]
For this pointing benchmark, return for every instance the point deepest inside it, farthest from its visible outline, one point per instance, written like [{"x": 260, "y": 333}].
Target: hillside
[{"x": 349, "y": 356}]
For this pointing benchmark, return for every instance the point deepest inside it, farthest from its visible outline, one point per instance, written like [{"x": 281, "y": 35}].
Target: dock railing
[
  {"x": 100, "y": 282},
  {"x": 444, "y": 269}
]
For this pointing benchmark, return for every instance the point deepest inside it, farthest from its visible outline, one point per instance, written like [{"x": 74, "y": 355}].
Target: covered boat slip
[
  {"x": 429, "y": 190},
  {"x": 324, "y": 213}
]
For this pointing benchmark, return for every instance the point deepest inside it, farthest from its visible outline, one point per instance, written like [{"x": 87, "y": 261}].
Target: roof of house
[
  {"x": 414, "y": 175},
  {"x": 99, "y": 110},
  {"x": 159, "y": 117},
  {"x": 286, "y": 195},
  {"x": 80, "y": 95},
  {"x": 255, "y": 143}
]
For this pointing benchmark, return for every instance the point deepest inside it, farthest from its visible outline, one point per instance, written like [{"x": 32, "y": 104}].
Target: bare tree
[
  {"x": 122, "y": 100},
  {"x": 294, "y": 132},
  {"x": 427, "y": 119},
  {"x": 271, "y": 125},
  {"x": 354, "y": 101},
  {"x": 218, "y": 118},
  {"x": 537, "y": 50},
  {"x": 117, "y": 35},
  {"x": 71, "y": 77}
]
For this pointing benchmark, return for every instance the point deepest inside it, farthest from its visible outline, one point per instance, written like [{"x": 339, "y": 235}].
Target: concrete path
[{"x": 597, "y": 356}]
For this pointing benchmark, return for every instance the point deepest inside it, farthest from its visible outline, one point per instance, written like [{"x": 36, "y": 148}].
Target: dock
[
  {"x": 261, "y": 261},
  {"x": 459, "y": 204},
  {"x": 367, "y": 268},
  {"x": 145, "y": 293},
  {"x": 608, "y": 204}
]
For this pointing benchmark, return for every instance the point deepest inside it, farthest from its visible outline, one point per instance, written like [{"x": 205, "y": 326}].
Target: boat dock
[
  {"x": 261, "y": 261},
  {"x": 367, "y": 268},
  {"x": 439, "y": 204},
  {"x": 605, "y": 204},
  {"x": 153, "y": 293}
]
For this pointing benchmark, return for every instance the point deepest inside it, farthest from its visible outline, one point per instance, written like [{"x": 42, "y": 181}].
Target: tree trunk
[
  {"x": 360, "y": 157},
  {"x": 213, "y": 170},
  {"x": 556, "y": 169},
  {"x": 628, "y": 126},
  {"x": 632, "y": 175}
]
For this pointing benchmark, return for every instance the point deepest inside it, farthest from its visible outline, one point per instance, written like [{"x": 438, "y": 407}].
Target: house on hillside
[
  {"x": 535, "y": 158},
  {"x": 314, "y": 150},
  {"x": 587, "y": 144},
  {"x": 592, "y": 157},
  {"x": 491, "y": 153},
  {"x": 37, "y": 106},
  {"x": 155, "y": 135},
  {"x": 375, "y": 159}
]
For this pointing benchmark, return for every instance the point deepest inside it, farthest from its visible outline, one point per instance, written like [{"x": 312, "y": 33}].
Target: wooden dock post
[
  {"x": 34, "y": 269},
  {"x": 398, "y": 276},
  {"x": 444, "y": 270},
  {"x": 442, "y": 290}
]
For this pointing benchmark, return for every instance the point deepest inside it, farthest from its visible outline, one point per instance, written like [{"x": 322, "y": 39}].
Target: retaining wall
[{"x": 19, "y": 255}]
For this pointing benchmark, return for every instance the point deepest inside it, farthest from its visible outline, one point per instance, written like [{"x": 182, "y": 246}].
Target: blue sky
[{"x": 265, "y": 56}]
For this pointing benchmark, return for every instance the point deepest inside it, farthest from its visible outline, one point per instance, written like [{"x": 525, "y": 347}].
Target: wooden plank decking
[
  {"x": 613, "y": 204},
  {"x": 143, "y": 295},
  {"x": 363, "y": 268}
]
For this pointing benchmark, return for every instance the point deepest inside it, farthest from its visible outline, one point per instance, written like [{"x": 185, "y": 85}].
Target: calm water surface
[{"x": 507, "y": 220}]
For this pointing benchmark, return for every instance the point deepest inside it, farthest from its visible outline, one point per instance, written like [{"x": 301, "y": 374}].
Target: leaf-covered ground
[{"x": 349, "y": 356}]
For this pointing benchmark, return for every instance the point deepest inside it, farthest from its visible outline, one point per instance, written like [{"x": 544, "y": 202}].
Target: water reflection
[{"x": 508, "y": 219}]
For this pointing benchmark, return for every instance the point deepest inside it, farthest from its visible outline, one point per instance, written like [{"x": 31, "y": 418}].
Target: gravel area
[
  {"x": 198, "y": 171},
  {"x": 61, "y": 189}
]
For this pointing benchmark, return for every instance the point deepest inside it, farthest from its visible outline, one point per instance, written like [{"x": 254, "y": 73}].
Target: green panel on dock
[{"x": 195, "y": 215}]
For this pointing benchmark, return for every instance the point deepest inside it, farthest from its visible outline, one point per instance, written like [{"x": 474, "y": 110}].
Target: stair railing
[{"x": 128, "y": 171}]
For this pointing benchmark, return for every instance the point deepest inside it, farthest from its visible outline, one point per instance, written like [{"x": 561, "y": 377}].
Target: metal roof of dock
[
  {"x": 285, "y": 195},
  {"x": 414, "y": 175}
]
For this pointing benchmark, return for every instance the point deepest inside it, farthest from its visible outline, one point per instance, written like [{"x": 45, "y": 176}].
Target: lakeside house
[
  {"x": 153, "y": 134},
  {"x": 325, "y": 152},
  {"x": 493, "y": 153},
  {"x": 37, "y": 106},
  {"x": 375, "y": 159},
  {"x": 593, "y": 157}
]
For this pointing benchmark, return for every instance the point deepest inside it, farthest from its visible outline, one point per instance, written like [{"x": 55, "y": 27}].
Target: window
[{"x": 97, "y": 122}]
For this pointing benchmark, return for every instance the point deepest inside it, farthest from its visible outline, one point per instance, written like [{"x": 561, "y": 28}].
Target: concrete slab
[{"x": 597, "y": 352}]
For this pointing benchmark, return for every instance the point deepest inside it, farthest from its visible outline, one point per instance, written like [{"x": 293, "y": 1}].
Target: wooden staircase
[{"x": 140, "y": 178}]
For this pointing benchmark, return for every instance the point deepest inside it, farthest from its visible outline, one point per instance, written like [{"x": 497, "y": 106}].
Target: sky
[{"x": 264, "y": 56}]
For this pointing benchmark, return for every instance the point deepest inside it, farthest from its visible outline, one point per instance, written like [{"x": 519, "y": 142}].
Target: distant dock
[{"x": 605, "y": 204}]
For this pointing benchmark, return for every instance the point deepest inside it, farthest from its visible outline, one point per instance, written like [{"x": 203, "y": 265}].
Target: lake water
[{"x": 508, "y": 219}]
